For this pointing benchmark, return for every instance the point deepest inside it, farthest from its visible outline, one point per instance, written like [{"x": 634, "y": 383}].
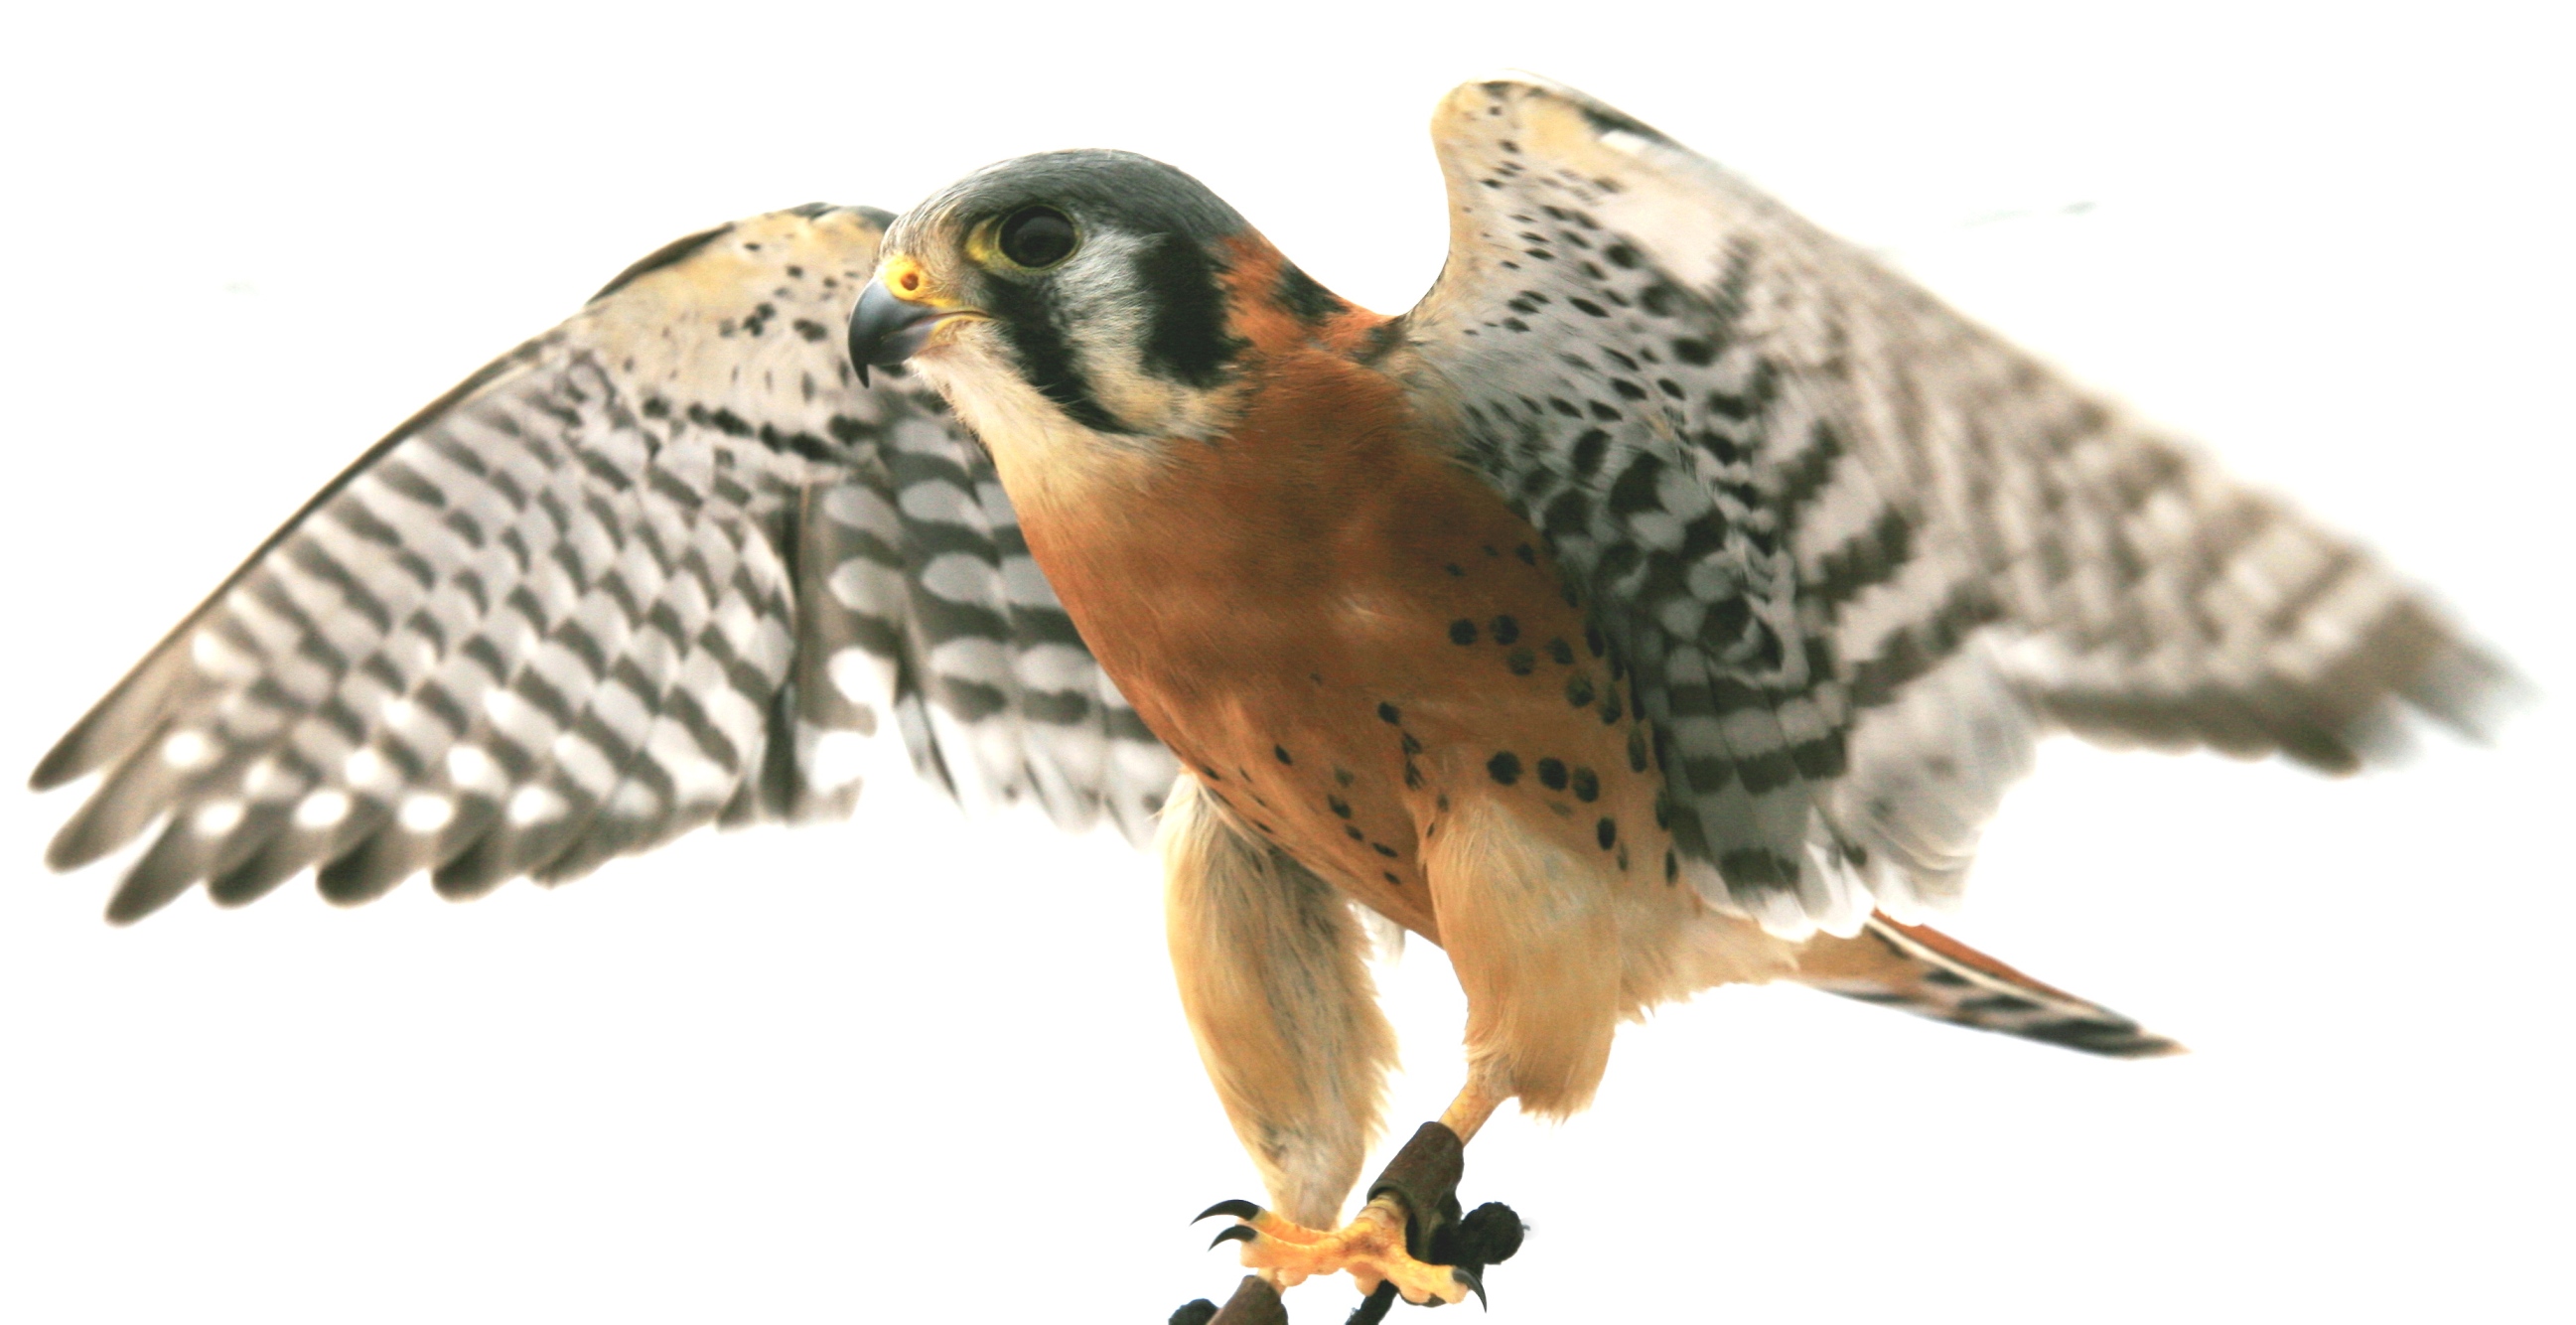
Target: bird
[{"x": 1663, "y": 602}]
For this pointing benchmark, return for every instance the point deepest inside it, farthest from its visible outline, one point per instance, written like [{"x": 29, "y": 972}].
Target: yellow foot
[{"x": 1370, "y": 1249}]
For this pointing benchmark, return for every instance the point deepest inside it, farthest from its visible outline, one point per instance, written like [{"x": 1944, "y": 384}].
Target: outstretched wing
[
  {"x": 665, "y": 564},
  {"x": 1858, "y": 551}
]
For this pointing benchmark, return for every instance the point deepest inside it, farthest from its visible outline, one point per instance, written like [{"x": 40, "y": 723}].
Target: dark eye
[{"x": 1037, "y": 237}]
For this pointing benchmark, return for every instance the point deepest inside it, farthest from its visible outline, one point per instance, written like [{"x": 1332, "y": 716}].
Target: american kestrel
[{"x": 1664, "y": 602}]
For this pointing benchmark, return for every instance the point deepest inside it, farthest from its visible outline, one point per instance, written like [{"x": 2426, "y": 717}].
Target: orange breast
[{"x": 1338, "y": 631}]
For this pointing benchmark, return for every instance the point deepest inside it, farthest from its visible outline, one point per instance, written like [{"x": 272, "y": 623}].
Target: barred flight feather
[
  {"x": 1860, "y": 552},
  {"x": 665, "y": 565}
]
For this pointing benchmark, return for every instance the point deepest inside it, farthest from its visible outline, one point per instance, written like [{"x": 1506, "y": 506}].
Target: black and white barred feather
[
  {"x": 1856, "y": 552},
  {"x": 664, "y": 565}
]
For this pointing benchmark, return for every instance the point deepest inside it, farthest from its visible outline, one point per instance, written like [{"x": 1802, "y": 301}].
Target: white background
[{"x": 917, "y": 1068}]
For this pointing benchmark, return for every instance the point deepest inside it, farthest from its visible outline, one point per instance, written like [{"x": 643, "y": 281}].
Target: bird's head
[{"x": 1072, "y": 290}]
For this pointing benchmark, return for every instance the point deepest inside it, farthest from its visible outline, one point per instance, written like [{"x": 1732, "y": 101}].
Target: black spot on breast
[
  {"x": 1611, "y": 711},
  {"x": 1578, "y": 690},
  {"x": 1280, "y": 752},
  {"x": 1527, "y": 554},
  {"x": 1561, "y": 651},
  {"x": 1353, "y": 833},
  {"x": 1620, "y": 255},
  {"x": 1506, "y": 630},
  {"x": 1695, "y": 352},
  {"x": 1587, "y": 785},
  {"x": 1341, "y": 775},
  {"x": 1592, "y": 640},
  {"x": 1455, "y": 569},
  {"x": 1338, "y": 806},
  {"x": 1504, "y": 768},
  {"x": 1462, "y": 631},
  {"x": 1588, "y": 306},
  {"x": 1383, "y": 849},
  {"x": 1522, "y": 662},
  {"x": 1606, "y": 833},
  {"x": 1390, "y": 878},
  {"x": 1551, "y": 774},
  {"x": 1389, "y": 713},
  {"x": 1636, "y": 749}
]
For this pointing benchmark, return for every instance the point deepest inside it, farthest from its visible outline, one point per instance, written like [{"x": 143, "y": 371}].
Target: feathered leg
[
  {"x": 1269, "y": 962},
  {"x": 1530, "y": 930}
]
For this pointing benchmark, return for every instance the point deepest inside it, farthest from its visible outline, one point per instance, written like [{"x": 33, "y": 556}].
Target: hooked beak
[{"x": 888, "y": 328}]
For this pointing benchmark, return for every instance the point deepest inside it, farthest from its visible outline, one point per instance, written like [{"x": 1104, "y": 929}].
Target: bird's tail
[{"x": 1930, "y": 974}]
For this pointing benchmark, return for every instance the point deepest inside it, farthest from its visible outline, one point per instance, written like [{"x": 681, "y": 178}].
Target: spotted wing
[
  {"x": 664, "y": 565},
  {"x": 1857, "y": 551}
]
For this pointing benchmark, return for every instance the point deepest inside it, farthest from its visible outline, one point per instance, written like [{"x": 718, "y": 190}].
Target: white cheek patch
[{"x": 1046, "y": 458}]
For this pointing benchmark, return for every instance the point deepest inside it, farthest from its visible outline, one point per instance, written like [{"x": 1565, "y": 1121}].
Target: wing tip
[
  {"x": 2472, "y": 691},
  {"x": 2111, "y": 1037},
  {"x": 65, "y": 762},
  {"x": 83, "y": 840}
]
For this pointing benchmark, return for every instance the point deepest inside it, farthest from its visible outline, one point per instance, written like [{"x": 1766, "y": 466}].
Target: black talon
[
  {"x": 1238, "y": 1209},
  {"x": 1233, "y": 1233},
  {"x": 1474, "y": 1285}
]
